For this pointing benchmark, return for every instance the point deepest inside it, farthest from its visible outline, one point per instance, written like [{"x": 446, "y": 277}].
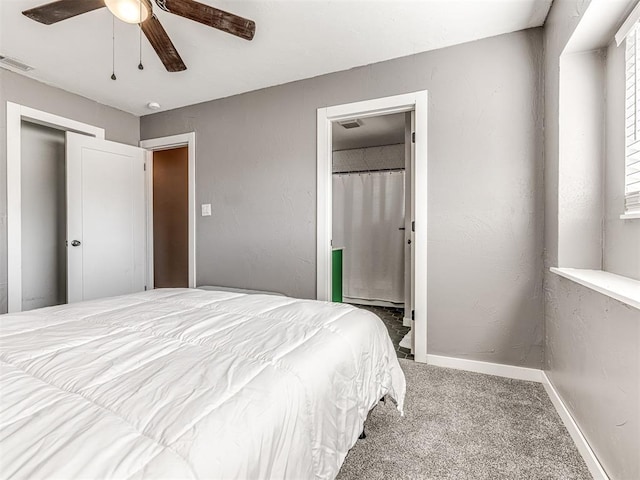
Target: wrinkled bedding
[{"x": 179, "y": 383}]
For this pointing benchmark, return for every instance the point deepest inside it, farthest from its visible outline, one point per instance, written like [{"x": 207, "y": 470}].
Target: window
[{"x": 632, "y": 155}]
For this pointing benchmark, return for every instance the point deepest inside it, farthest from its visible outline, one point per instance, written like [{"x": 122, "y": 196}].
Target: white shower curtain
[{"x": 368, "y": 210}]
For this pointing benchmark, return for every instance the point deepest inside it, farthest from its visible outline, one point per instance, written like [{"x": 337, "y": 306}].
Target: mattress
[{"x": 179, "y": 383}]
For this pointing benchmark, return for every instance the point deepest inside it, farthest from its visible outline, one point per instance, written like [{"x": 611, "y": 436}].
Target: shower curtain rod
[{"x": 371, "y": 171}]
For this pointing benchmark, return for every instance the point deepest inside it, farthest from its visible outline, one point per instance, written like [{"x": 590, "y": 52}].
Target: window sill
[
  {"x": 630, "y": 216},
  {"x": 623, "y": 289}
]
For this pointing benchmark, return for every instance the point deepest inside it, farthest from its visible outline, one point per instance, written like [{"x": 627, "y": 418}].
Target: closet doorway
[
  {"x": 44, "y": 216},
  {"x": 408, "y": 242},
  {"x": 75, "y": 212},
  {"x": 171, "y": 211}
]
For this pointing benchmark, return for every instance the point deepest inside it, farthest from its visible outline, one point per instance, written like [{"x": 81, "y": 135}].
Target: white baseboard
[
  {"x": 531, "y": 375},
  {"x": 406, "y": 322},
  {"x": 582, "y": 445},
  {"x": 497, "y": 369}
]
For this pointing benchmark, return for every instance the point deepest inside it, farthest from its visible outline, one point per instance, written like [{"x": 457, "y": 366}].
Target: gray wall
[
  {"x": 119, "y": 126},
  {"x": 369, "y": 158},
  {"x": 592, "y": 355},
  {"x": 621, "y": 237},
  {"x": 256, "y": 165},
  {"x": 593, "y": 359},
  {"x": 580, "y": 207},
  {"x": 44, "y": 219},
  {"x": 560, "y": 24}
]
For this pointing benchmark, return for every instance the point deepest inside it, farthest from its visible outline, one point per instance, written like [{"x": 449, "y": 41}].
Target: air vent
[
  {"x": 13, "y": 63},
  {"x": 351, "y": 123}
]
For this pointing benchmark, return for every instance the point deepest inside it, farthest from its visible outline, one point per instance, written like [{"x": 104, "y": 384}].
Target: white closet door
[{"x": 106, "y": 218}]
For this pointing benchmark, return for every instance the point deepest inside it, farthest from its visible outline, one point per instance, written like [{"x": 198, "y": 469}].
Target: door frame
[
  {"x": 166, "y": 143},
  {"x": 16, "y": 114},
  {"x": 415, "y": 101}
]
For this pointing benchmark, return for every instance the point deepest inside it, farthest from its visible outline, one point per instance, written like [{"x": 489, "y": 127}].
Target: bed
[{"x": 184, "y": 383}]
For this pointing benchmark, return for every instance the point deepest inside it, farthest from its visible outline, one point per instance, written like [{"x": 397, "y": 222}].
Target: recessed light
[{"x": 153, "y": 106}]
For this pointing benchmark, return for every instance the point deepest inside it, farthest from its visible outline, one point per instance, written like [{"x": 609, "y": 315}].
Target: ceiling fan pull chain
[
  {"x": 113, "y": 49},
  {"x": 140, "y": 66}
]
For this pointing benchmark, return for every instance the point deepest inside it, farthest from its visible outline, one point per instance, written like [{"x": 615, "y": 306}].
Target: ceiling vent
[
  {"x": 13, "y": 63},
  {"x": 351, "y": 123}
]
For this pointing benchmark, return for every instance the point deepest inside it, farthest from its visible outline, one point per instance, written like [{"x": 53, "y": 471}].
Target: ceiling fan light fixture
[{"x": 129, "y": 11}]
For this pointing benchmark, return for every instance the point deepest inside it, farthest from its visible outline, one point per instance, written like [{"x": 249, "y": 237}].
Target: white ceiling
[
  {"x": 373, "y": 132},
  {"x": 295, "y": 39}
]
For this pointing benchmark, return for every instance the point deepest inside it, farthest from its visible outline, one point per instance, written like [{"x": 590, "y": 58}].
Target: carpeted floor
[{"x": 462, "y": 425}]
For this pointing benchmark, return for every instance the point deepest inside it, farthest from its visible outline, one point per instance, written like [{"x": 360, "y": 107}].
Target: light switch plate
[{"x": 206, "y": 209}]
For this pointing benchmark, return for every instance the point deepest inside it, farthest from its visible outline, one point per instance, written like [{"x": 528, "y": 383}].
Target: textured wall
[
  {"x": 580, "y": 206},
  {"x": 370, "y": 158},
  {"x": 560, "y": 24},
  {"x": 621, "y": 237},
  {"x": 592, "y": 353},
  {"x": 256, "y": 165},
  {"x": 591, "y": 341},
  {"x": 119, "y": 126}
]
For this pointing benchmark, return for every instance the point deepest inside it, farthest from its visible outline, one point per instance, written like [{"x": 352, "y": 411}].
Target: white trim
[
  {"x": 628, "y": 25},
  {"x": 488, "y": 368},
  {"x": 165, "y": 143},
  {"x": 416, "y": 101},
  {"x": 419, "y": 176},
  {"x": 582, "y": 445},
  {"x": 324, "y": 201},
  {"x": 623, "y": 289},
  {"x": 15, "y": 115},
  {"x": 629, "y": 216},
  {"x": 55, "y": 121},
  {"x": 148, "y": 183}
]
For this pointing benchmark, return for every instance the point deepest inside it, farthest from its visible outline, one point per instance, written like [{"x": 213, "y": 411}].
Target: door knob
[{"x": 75, "y": 243}]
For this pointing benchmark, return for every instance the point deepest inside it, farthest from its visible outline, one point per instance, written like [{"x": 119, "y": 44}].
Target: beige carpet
[{"x": 461, "y": 425}]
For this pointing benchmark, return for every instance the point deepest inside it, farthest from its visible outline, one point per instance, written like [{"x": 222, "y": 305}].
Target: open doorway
[
  {"x": 415, "y": 104},
  {"x": 44, "y": 216},
  {"x": 61, "y": 246},
  {"x": 170, "y": 169},
  {"x": 371, "y": 220},
  {"x": 171, "y": 218}
]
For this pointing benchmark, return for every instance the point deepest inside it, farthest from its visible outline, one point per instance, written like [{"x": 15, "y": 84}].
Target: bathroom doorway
[
  {"x": 371, "y": 211},
  {"x": 415, "y": 104}
]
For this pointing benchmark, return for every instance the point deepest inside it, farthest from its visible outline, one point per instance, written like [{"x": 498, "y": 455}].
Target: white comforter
[{"x": 185, "y": 384}]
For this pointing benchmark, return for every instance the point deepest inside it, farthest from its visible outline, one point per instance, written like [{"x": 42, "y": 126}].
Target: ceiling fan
[{"x": 141, "y": 12}]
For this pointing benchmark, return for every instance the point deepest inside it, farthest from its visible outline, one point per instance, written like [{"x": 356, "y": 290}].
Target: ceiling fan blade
[
  {"x": 61, "y": 10},
  {"x": 212, "y": 17},
  {"x": 162, "y": 44}
]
